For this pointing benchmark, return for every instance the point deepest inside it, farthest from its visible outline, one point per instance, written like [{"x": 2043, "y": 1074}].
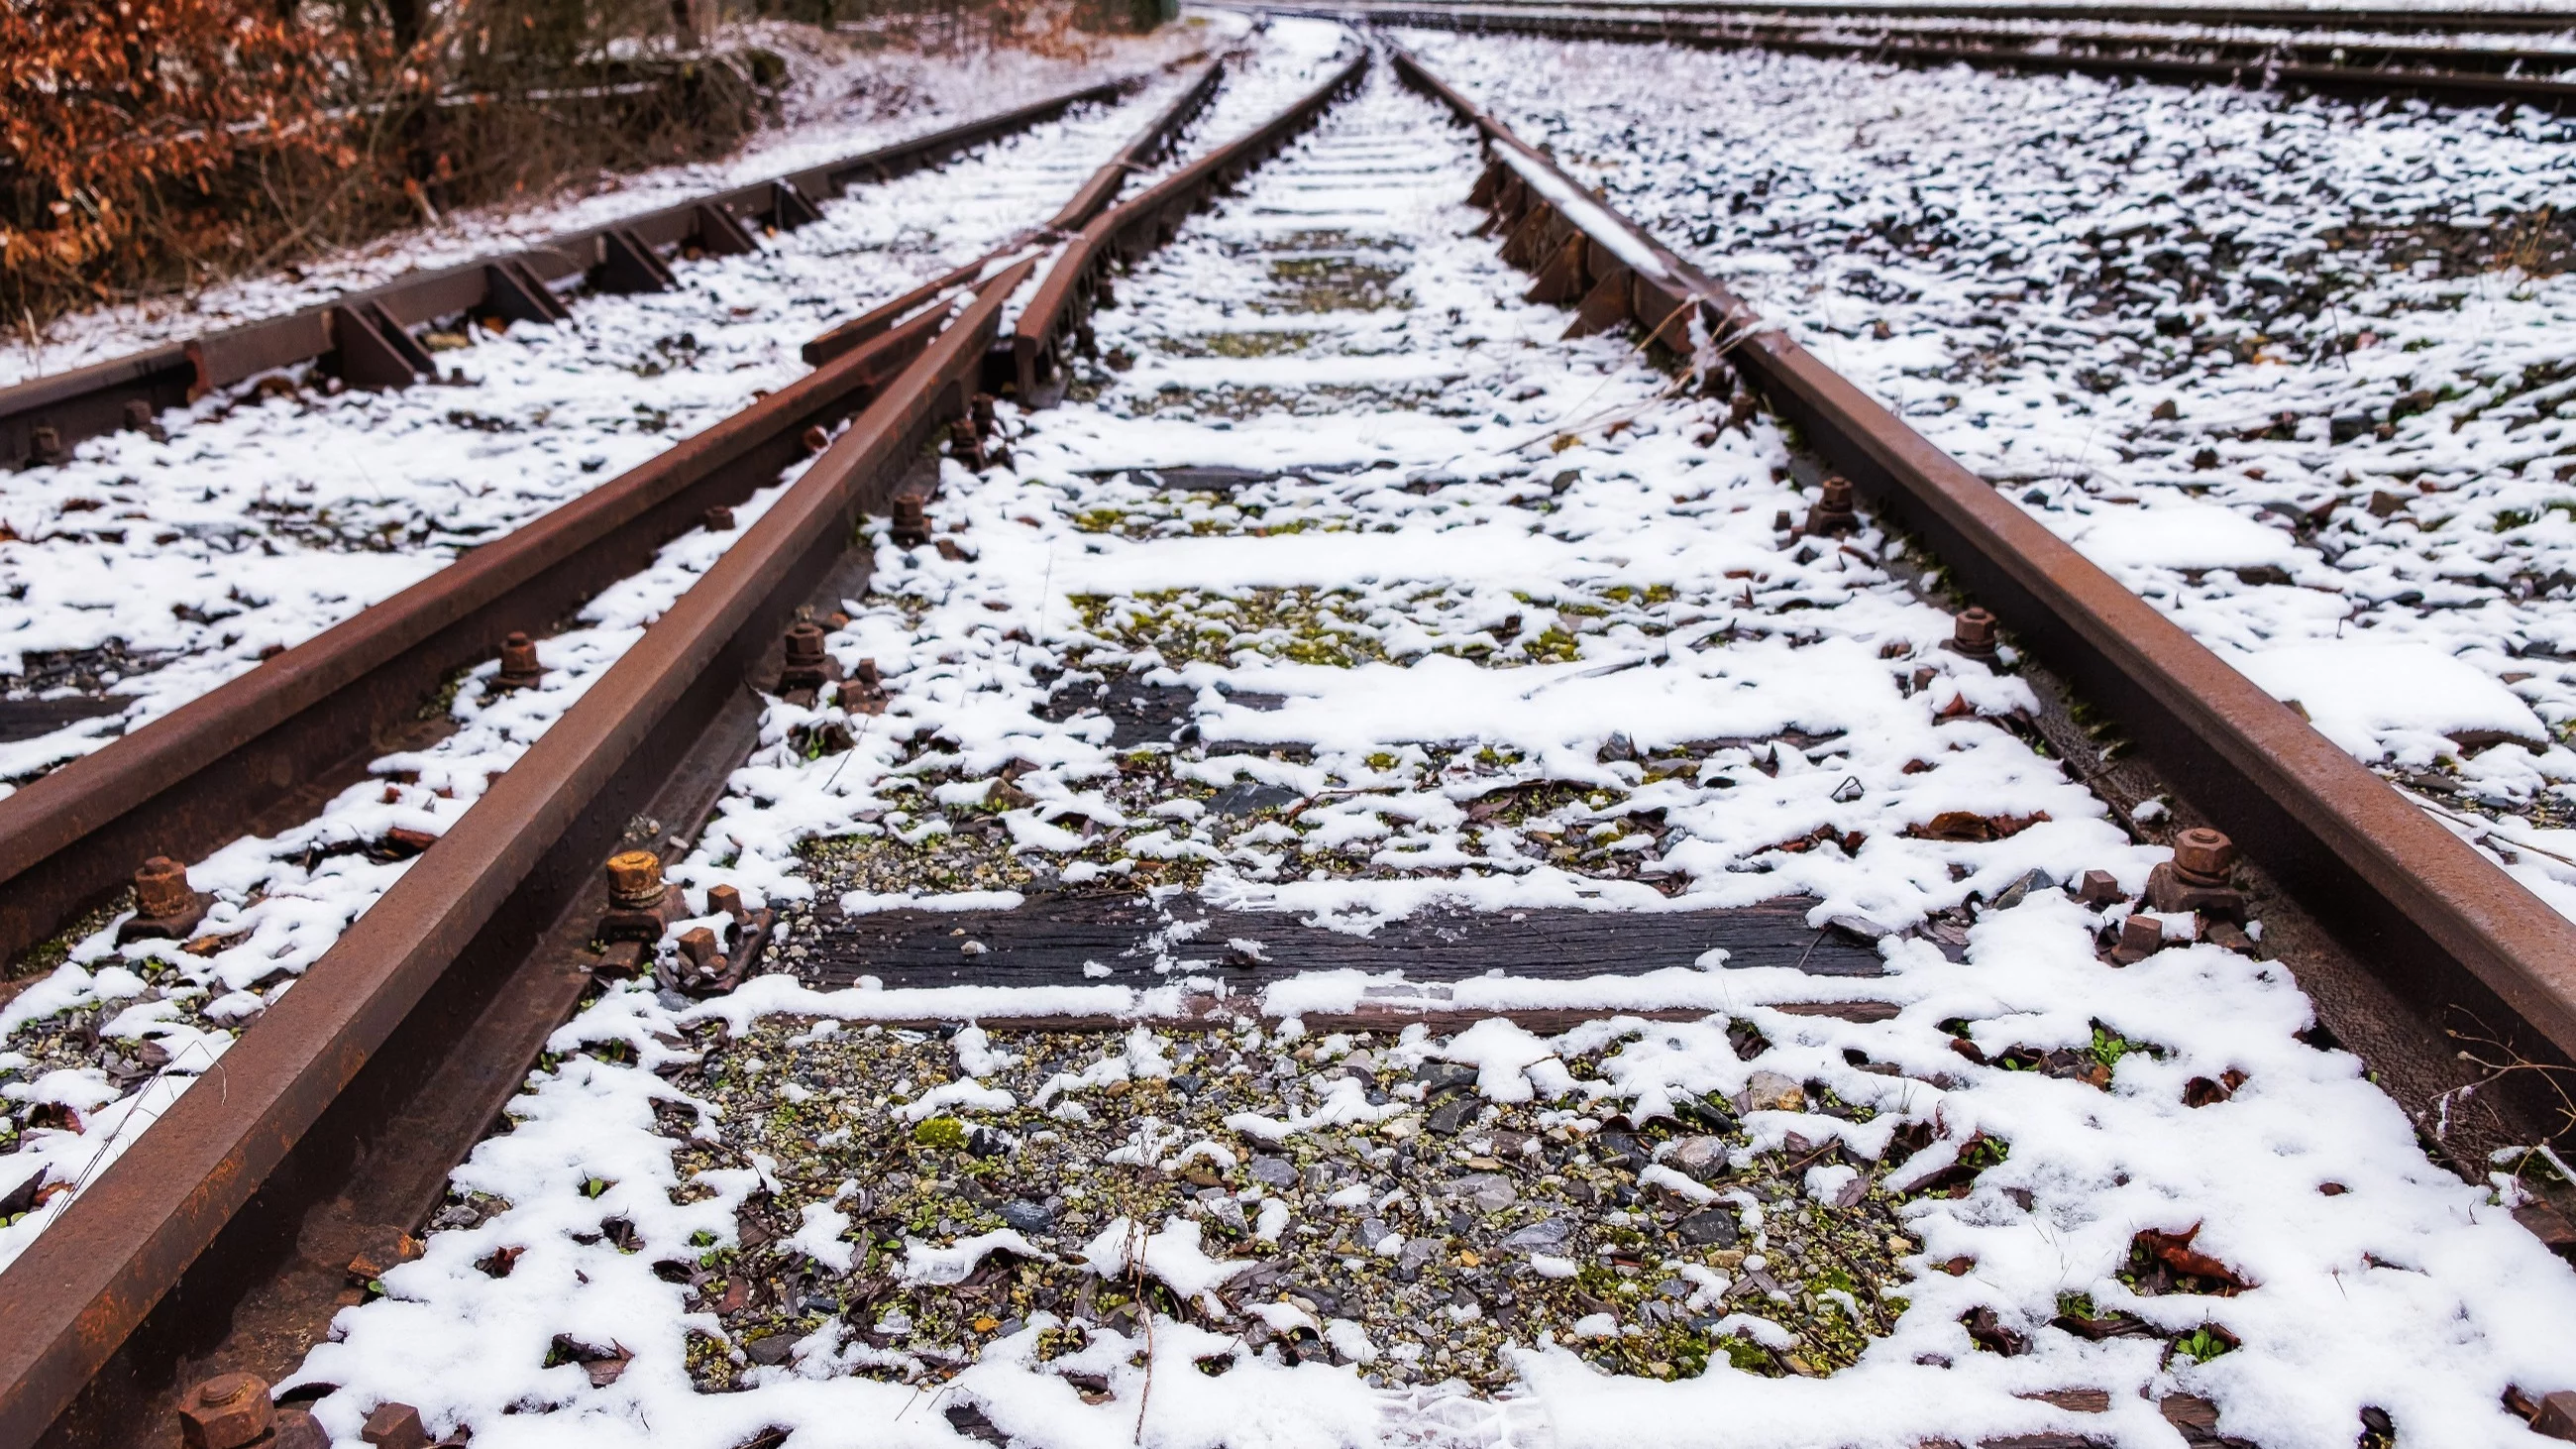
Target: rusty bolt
[
  {"x": 719, "y": 519},
  {"x": 911, "y": 520},
  {"x": 2204, "y": 856},
  {"x": 1833, "y": 512},
  {"x": 2099, "y": 888},
  {"x": 519, "y": 666},
  {"x": 816, "y": 440},
  {"x": 44, "y": 445},
  {"x": 161, "y": 888},
  {"x": 2140, "y": 937},
  {"x": 866, "y": 675},
  {"x": 804, "y": 665},
  {"x": 227, "y": 1411},
  {"x": 634, "y": 880},
  {"x": 1781, "y": 522},
  {"x": 981, "y": 407},
  {"x": 725, "y": 900},
  {"x": 138, "y": 415},
  {"x": 699, "y": 945},
  {"x": 395, "y": 1426},
  {"x": 1973, "y": 634}
]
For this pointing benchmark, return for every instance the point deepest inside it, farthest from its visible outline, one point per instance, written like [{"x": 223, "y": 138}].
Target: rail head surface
[{"x": 2318, "y": 819}]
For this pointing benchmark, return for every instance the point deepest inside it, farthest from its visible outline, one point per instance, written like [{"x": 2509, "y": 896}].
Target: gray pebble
[
  {"x": 1546, "y": 1234},
  {"x": 1711, "y": 1227}
]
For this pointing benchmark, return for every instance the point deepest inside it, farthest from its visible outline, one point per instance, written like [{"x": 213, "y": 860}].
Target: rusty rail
[
  {"x": 2445, "y": 926},
  {"x": 1098, "y": 192},
  {"x": 366, "y": 335},
  {"x": 1145, "y": 221},
  {"x": 225, "y": 1232},
  {"x": 2390, "y": 66}
]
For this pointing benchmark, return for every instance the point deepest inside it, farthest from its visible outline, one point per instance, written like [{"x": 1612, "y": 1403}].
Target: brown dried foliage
[{"x": 122, "y": 125}]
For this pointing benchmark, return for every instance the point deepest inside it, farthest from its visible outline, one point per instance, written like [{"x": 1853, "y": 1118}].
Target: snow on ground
[
  {"x": 1437, "y": 658},
  {"x": 842, "y": 98},
  {"x": 266, "y": 517},
  {"x": 2292, "y": 369},
  {"x": 95, "y": 1049}
]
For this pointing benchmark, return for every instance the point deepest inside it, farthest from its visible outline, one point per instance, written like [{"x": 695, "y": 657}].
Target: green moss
[{"x": 941, "y": 1132}]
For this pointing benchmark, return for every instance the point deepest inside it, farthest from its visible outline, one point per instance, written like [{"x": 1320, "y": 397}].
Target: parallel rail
[
  {"x": 2385, "y": 66},
  {"x": 364, "y": 336},
  {"x": 2455, "y": 936},
  {"x": 223, "y": 1233}
]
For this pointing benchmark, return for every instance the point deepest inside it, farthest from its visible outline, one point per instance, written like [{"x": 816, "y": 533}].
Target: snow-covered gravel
[
  {"x": 98, "y": 1047},
  {"x": 2289, "y": 368},
  {"x": 1467, "y": 665}
]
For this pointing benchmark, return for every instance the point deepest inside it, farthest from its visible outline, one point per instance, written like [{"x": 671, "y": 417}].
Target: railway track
[
  {"x": 1305, "y": 572},
  {"x": 2365, "y": 53},
  {"x": 368, "y": 338}
]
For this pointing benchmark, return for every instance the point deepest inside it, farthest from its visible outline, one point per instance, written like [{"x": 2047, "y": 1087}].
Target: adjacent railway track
[
  {"x": 366, "y": 338},
  {"x": 2372, "y": 53},
  {"x": 219, "y": 1239}
]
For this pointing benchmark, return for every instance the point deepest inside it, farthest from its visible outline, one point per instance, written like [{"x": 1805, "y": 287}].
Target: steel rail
[
  {"x": 268, "y": 747},
  {"x": 2453, "y": 934},
  {"x": 2257, "y": 65},
  {"x": 343, "y": 1108},
  {"x": 365, "y": 334},
  {"x": 1096, "y": 194},
  {"x": 1143, "y": 222}
]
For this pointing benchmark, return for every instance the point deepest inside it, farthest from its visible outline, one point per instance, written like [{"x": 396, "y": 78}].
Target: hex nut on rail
[
  {"x": 1834, "y": 512},
  {"x": 234, "y": 1411},
  {"x": 640, "y": 906},
  {"x": 911, "y": 520},
  {"x": 519, "y": 666},
  {"x": 165, "y": 909},
  {"x": 2196, "y": 879},
  {"x": 1973, "y": 633},
  {"x": 807, "y": 668}
]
